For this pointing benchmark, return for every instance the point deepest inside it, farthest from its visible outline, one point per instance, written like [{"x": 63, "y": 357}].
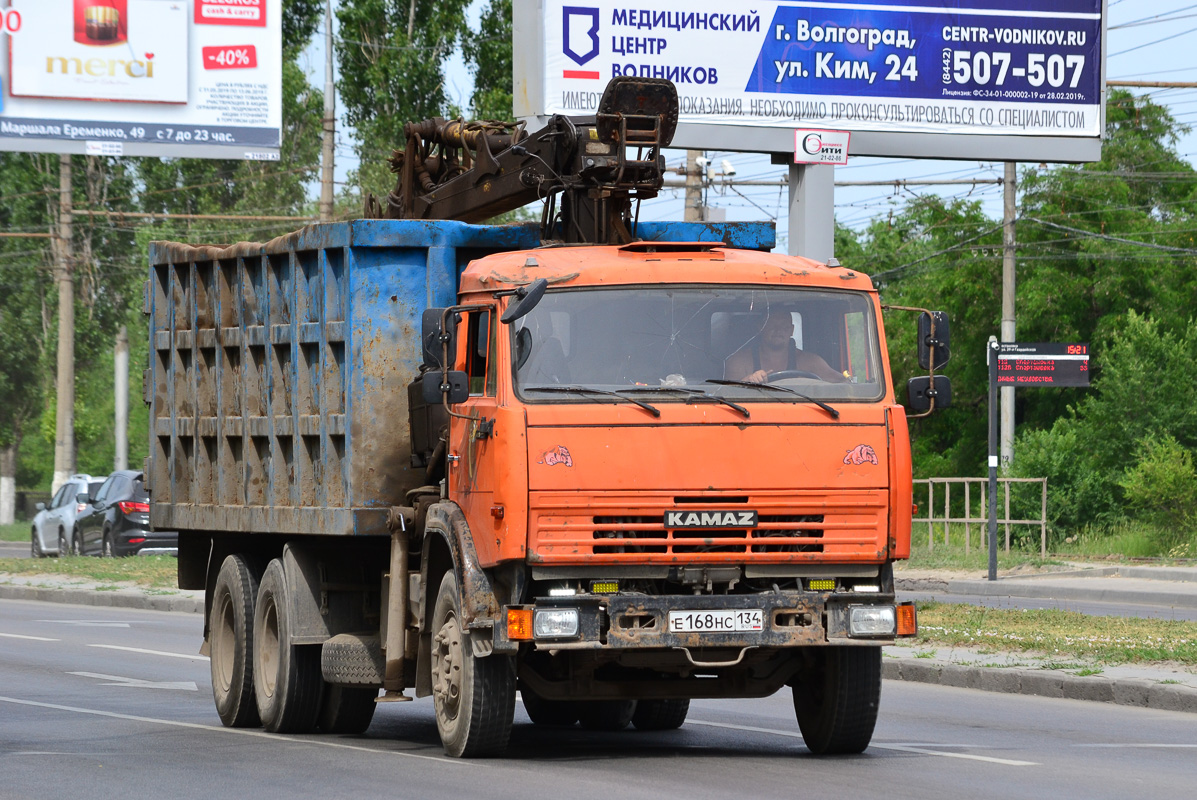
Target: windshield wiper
[
  {"x": 587, "y": 390},
  {"x": 695, "y": 393},
  {"x": 720, "y": 382}
]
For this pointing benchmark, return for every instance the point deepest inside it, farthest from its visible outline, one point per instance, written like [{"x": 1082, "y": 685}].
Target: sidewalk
[{"x": 1155, "y": 586}]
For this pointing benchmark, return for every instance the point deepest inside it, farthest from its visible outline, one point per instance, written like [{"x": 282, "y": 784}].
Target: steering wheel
[{"x": 790, "y": 373}]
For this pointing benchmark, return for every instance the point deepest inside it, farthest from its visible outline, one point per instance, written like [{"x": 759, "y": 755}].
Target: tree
[
  {"x": 391, "y": 55},
  {"x": 488, "y": 52}
]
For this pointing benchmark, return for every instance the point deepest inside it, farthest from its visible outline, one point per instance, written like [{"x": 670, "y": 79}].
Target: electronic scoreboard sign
[{"x": 1043, "y": 364}]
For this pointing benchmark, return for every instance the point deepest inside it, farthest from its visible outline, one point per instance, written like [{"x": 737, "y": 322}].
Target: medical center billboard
[
  {"x": 988, "y": 68},
  {"x": 143, "y": 77}
]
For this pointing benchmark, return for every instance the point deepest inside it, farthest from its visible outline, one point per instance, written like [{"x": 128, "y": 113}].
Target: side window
[
  {"x": 57, "y": 501},
  {"x": 480, "y": 340},
  {"x": 105, "y": 490}
]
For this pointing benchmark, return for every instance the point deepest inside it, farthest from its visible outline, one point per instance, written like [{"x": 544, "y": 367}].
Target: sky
[{"x": 1147, "y": 40}]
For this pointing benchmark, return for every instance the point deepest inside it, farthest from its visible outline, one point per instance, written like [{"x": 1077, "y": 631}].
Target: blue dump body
[{"x": 278, "y": 372}]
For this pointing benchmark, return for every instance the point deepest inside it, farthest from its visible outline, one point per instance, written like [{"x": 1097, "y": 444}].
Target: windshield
[{"x": 741, "y": 343}]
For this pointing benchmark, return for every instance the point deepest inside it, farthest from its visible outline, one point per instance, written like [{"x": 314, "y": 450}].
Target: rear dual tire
[
  {"x": 286, "y": 677},
  {"x": 231, "y": 643}
]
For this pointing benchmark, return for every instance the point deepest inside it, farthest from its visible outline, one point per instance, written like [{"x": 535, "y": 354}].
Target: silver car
[{"x": 54, "y": 526}]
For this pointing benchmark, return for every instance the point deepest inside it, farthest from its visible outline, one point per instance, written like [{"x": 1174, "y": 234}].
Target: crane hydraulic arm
[{"x": 471, "y": 172}]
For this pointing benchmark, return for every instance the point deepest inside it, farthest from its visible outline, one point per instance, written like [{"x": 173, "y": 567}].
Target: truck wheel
[
  {"x": 474, "y": 698},
  {"x": 287, "y": 682},
  {"x": 353, "y": 659},
  {"x": 231, "y": 639},
  {"x": 660, "y": 715},
  {"x": 561, "y": 713},
  {"x": 345, "y": 710},
  {"x": 837, "y": 699},
  {"x": 606, "y": 715}
]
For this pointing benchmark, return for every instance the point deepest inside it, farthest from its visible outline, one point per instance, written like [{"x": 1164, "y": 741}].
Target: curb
[
  {"x": 87, "y": 597},
  {"x": 1044, "y": 683},
  {"x": 1024, "y": 588}
]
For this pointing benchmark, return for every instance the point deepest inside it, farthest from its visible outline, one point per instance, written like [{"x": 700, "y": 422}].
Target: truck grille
[
  {"x": 787, "y": 533},
  {"x": 791, "y": 526}
]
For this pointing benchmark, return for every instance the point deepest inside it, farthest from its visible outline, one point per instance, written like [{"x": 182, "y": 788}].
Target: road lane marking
[
  {"x": 195, "y": 657},
  {"x": 137, "y": 683},
  {"x": 1141, "y": 745},
  {"x": 30, "y": 638},
  {"x": 84, "y": 623},
  {"x": 904, "y": 748},
  {"x": 238, "y": 732}
]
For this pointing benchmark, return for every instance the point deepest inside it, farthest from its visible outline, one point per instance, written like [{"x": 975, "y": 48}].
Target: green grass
[
  {"x": 16, "y": 532},
  {"x": 157, "y": 572},
  {"x": 1117, "y": 542},
  {"x": 1065, "y": 636}
]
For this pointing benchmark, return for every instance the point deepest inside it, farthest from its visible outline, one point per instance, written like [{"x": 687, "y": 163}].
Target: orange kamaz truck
[{"x": 608, "y": 465}]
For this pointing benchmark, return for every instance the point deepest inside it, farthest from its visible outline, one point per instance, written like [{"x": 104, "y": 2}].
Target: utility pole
[
  {"x": 121, "y": 382},
  {"x": 64, "y": 435},
  {"x": 330, "y": 120},
  {"x": 694, "y": 176},
  {"x": 1009, "y": 186}
]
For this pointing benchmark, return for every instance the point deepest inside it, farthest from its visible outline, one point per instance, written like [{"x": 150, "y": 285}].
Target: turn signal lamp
[
  {"x": 822, "y": 585},
  {"x": 908, "y": 621},
  {"x": 519, "y": 624}
]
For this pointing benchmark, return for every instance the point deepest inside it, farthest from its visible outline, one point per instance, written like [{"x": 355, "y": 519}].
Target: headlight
[
  {"x": 557, "y": 623},
  {"x": 872, "y": 621}
]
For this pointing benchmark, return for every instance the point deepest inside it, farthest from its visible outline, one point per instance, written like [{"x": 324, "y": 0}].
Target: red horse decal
[
  {"x": 861, "y": 454},
  {"x": 558, "y": 455}
]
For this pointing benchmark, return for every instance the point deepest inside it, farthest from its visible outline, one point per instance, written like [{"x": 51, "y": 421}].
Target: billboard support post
[
  {"x": 1010, "y": 187},
  {"x": 64, "y": 436},
  {"x": 121, "y": 385},
  {"x": 330, "y": 120},
  {"x": 812, "y": 211}
]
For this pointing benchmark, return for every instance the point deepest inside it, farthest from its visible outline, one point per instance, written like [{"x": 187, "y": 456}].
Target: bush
[{"x": 1162, "y": 486}]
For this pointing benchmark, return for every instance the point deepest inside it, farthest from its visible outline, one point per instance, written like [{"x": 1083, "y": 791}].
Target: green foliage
[
  {"x": 488, "y": 52},
  {"x": 1162, "y": 483},
  {"x": 391, "y": 55}
]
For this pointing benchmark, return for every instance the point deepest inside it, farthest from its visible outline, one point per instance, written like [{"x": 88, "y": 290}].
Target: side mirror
[
  {"x": 431, "y": 338},
  {"x": 456, "y": 386},
  {"x": 40, "y": 506},
  {"x": 941, "y": 341},
  {"x": 920, "y": 392},
  {"x": 528, "y": 296},
  {"x": 82, "y": 499}
]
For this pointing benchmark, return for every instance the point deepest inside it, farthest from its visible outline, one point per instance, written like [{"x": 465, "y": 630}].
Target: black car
[{"x": 120, "y": 525}]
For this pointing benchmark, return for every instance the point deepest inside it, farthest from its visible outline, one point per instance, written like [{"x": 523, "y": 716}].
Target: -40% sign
[{"x": 226, "y": 57}]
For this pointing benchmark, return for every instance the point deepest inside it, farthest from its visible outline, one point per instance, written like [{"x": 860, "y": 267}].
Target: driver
[{"x": 774, "y": 351}]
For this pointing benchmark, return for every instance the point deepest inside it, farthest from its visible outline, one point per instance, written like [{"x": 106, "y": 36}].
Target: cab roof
[{"x": 653, "y": 263}]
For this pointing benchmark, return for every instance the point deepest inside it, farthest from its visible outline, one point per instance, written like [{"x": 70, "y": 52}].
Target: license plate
[{"x": 752, "y": 619}]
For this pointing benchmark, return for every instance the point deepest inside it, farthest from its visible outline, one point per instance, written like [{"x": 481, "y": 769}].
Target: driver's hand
[{"x": 760, "y": 376}]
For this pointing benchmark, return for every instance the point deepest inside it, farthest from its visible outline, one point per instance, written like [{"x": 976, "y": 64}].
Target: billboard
[
  {"x": 944, "y": 78},
  {"x": 193, "y": 78}
]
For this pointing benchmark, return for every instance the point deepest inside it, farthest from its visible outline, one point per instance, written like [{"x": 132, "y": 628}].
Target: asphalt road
[{"x": 101, "y": 703}]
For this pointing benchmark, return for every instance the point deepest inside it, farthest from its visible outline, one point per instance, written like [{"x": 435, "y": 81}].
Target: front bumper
[{"x": 627, "y": 622}]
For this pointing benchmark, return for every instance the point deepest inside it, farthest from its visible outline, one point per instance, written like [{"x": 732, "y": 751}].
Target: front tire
[
  {"x": 660, "y": 715},
  {"x": 346, "y": 710},
  {"x": 287, "y": 680},
  {"x": 559, "y": 713},
  {"x": 837, "y": 699},
  {"x": 63, "y": 548},
  {"x": 606, "y": 715},
  {"x": 474, "y": 698},
  {"x": 231, "y": 641}
]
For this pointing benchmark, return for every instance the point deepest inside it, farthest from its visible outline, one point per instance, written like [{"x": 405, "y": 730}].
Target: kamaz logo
[{"x": 710, "y": 519}]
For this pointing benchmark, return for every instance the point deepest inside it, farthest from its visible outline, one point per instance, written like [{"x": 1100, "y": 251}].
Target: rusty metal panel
[{"x": 279, "y": 371}]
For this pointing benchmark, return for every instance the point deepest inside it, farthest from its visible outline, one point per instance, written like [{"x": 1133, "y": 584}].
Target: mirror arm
[
  {"x": 445, "y": 366},
  {"x": 932, "y": 342}
]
